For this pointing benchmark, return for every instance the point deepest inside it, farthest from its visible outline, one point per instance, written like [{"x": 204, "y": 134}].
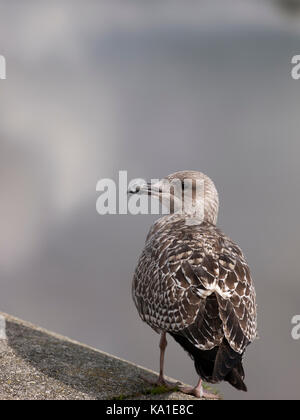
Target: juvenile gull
[{"x": 194, "y": 283}]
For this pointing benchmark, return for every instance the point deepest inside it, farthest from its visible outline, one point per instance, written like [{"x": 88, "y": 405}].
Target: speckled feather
[{"x": 193, "y": 280}]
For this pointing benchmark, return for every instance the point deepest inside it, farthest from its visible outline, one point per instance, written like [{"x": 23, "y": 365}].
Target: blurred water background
[{"x": 151, "y": 87}]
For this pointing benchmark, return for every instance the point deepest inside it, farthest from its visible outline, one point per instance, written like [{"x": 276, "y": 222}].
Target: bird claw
[{"x": 198, "y": 393}]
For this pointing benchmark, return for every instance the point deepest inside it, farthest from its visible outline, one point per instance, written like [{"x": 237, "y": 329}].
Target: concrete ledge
[{"x": 36, "y": 364}]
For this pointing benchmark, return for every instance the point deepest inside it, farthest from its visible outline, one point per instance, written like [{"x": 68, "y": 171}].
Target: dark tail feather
[
  {"x": 229, "y": 367},
  {"x": 204, "y": 360},
  {"x": 216, "y": 365},
  {"x": 236, "y": 380}
]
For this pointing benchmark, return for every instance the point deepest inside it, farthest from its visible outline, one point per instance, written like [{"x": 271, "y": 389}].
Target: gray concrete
[{"x": 39, "y": 365}]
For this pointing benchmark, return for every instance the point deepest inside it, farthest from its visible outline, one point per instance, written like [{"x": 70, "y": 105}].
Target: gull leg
[
  {"x": 197, "y": 391},
  {"x": 162, "y": 345},
  {"x": 161, "y": 381}
]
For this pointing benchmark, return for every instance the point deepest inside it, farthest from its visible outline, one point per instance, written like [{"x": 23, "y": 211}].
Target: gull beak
[
  {"x": 140, "y": 189},
  {"x": 146, "y": 189}
]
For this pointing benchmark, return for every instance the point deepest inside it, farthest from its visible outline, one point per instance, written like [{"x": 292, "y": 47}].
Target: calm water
[{"x": 98, "y": 87}]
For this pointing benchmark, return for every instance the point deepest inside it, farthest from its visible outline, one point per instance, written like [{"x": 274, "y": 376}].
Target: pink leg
[
  {"x": 197, "y": 391},
  {"x": 162, "y": 345},
  {"x": 161, "y": 379}
]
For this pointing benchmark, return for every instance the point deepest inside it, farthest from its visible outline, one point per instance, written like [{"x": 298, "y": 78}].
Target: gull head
[{"x": 190, "y": 193}]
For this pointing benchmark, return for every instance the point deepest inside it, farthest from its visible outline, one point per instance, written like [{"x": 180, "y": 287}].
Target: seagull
[{"x": 193, "y": 283}]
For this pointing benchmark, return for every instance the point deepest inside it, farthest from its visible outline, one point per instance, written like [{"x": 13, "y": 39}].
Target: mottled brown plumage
[{"x": 194, "y": 283}]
